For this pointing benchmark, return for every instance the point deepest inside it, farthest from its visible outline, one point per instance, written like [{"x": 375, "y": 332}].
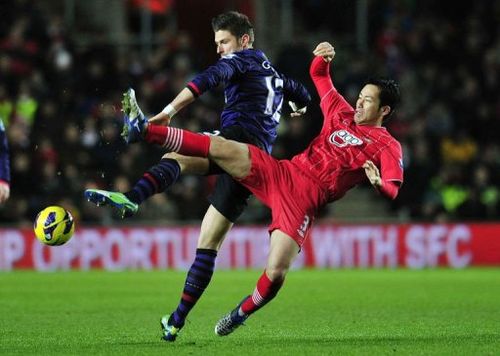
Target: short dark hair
[
  {"x": 235, "y": 22},
  {"x": 389, "y": 92}
]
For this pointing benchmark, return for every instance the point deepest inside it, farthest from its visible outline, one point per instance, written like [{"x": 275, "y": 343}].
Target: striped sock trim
[
  {"x": 263, "y": 293},
  {"x": 151, "y": 180},
  {"x": 257, "y": 299},
  {"x": 173, "y": 141}
]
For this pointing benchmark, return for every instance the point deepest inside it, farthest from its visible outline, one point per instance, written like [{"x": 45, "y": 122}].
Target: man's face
[
  {"x": 368, "y": 110},
  {"x": 227, "y": 43}
]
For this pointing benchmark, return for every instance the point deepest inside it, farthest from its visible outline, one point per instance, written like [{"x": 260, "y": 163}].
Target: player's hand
[
  {"x": 372, "y": 173},
  {"x": 160, "y": 119},
  {"x": 4, "y": 192},
  {"x": 325, "y": 50},
  {"x": 296, "y": 111}
]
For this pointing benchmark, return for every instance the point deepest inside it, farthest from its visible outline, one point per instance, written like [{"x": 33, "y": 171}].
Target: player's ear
[
  {"x": 385, "y": 110},
  {"x": 245, "y": 40}
]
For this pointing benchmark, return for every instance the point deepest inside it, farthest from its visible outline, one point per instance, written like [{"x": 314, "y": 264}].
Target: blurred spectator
[
  {"x": 458, "y": 148},
  {"x": 483, "y": 197}
]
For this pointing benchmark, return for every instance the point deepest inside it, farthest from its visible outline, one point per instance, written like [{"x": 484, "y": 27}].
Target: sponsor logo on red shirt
[{"x": 342, "y": 138}]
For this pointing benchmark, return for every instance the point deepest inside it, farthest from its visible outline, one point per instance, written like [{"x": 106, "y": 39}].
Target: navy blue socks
[
  {"x": 197, "y": 280},
  {"x": 156, "y": 180}
]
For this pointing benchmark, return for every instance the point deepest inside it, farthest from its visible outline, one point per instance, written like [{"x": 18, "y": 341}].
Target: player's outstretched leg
[
  {"x": 231, "y": 321},
  {"x": 134, "y": 121},
  {"x": 157, "y": 179},
  {"x": 115, "y": 199}
]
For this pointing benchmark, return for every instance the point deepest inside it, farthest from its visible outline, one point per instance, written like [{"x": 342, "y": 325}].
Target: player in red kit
[{"x": 351, "y": 148}]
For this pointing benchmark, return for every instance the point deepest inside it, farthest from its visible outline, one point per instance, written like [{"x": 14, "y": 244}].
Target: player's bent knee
[
  {"x": 189, "y": 165},
  {"x": 171, "y": 155},
  {"x": 219, "y": 146},
  {"x": 276, "y": 274}
]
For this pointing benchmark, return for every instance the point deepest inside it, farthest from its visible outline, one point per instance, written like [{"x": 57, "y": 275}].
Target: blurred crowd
[
  {"x": 448, "y": 64},
  {"x": 61, "y": 106}
]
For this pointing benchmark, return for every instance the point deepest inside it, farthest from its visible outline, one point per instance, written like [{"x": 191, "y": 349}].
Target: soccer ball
[{"x": 54, "y": 226}]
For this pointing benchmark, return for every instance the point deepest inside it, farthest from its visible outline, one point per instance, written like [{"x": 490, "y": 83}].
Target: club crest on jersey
[{"x": 342, "y": 138}]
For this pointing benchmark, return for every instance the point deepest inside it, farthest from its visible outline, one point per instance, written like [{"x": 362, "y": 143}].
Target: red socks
[
  {"x": 177, "y": 140},
  {"x": 264, "y": 292}
]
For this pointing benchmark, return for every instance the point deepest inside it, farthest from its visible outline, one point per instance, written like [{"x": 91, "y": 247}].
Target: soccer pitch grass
[{"x": 318, "y": 312}]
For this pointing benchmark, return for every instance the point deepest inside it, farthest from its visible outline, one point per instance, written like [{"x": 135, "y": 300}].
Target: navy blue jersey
[
  {"x": 253, "y": 90},
  {"x": 4, "y": 155}
]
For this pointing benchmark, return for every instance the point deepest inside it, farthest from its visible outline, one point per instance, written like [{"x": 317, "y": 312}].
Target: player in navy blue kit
[
  {"x": 254, "y": 95},
  {"x": 4, "y": 165}
]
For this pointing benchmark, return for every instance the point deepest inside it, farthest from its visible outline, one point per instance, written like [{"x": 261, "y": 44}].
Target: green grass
[{"x": 440, "y": 312}]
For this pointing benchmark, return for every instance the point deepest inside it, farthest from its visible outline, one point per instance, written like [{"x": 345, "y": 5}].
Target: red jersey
[{"x": 336, "y": 156}]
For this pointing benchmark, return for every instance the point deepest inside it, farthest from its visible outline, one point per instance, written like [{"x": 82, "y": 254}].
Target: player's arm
[
  {"x": 4, "y": 191},
  {"x": 388, "y": 188},
  {"x": 4, "y": 165},
  {"x": 320, "y": 68},
  {"x": 330, "y": 99},
  {"x": 221, "y": 72},
  {"x": 183, "y": 99},
  {"x": 390, "y": 180},
  {"x": 297, "y": 94}
]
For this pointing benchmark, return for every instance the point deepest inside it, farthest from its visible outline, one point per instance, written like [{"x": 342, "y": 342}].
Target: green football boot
[
  {"x": 134, "y": 121},
  {"x": 169, "y": 331},
  {"x": 115, "y": 199}
]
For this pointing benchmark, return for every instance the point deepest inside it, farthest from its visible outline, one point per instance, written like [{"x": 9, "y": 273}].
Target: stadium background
[
  {"x": 65, "y": 64},
  {"x": 63, "y": 67}
]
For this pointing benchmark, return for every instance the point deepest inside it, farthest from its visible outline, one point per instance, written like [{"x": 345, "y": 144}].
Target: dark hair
[
  {"x": 389, "y": 92},
  {"x": 236, "y": 23}
]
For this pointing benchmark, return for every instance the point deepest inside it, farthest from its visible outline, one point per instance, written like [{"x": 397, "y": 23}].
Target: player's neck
[{"x": 371, "y": 124}]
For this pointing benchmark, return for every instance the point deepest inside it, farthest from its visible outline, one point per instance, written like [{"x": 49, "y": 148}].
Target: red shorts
[{"x": 294, "y": 197}]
